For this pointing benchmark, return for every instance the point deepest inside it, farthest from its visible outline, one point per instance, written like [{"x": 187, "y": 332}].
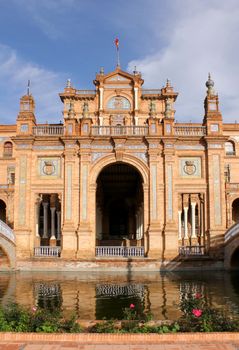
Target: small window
[
  {"x": 230, "y": 148},
  {"x": 7, "y": 150}
]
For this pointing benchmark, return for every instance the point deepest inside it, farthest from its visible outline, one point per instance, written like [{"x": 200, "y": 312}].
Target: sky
[{"x": 49, "y": 41}]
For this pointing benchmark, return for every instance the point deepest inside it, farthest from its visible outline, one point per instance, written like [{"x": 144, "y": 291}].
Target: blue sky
[{"x": 48, "y": 41}]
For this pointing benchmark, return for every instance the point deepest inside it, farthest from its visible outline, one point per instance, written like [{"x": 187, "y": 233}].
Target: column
[
  {"x": 101, "y": 97},
  {"x": 179, "y": 225},
  {"x": 193, "y": 205},
  {"x": 185, "y": 210},
  {"x": 136, "y": 98},
  {"x": 53, "y": 233},
  {"x": 45, "y": 219},
  {"x": 37, "y": 207},
  {"x": 58, "y": 224}
]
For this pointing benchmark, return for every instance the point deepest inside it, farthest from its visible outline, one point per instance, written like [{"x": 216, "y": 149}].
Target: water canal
[{"x": 104, "y": 295}]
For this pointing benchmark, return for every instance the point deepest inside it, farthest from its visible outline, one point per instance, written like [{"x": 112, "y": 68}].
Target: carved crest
[
  {"x": 48, "y": 168},
  {"x": 189, "y": 167}
]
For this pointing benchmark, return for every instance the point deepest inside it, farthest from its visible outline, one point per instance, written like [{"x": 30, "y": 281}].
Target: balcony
[
  {"x": 119, "y": 130},
  {"x": 120, "y": 252},
  {"x": 45, "y": 251},
  {"x": 190, "y": 130},
  {"x": 150, "y": 92},
  {"x": 192, "y": 250},
  {"x": 48, "y": 130}
]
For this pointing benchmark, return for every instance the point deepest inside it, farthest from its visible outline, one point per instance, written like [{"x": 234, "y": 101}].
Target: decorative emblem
[
  {"x": 48, "y": 168},
  {"x": 189, "y": 167}
]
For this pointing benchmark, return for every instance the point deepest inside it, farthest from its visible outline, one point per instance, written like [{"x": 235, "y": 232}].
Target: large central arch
[
  {"x": 127, "y": 213},
  {"x": 119, "y": 205}
]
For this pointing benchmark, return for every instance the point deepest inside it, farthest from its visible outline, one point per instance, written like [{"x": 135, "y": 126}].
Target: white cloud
[
  {"x": 200, "y": 37},
  {"x": 45, "y": 86}
]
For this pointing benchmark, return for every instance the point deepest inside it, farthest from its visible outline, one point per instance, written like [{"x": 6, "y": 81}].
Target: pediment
[{"x": 117, "y": 78}]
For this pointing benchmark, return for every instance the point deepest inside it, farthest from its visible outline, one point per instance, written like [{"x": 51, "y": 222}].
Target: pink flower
[
  {"x": 34, "y": 309},
  {"x": 198, "y": 296},
  {"x": 132, "y": 306},
  {"x": 197, "y": 312}
]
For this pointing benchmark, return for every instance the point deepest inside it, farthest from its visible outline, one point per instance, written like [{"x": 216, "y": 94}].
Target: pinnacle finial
[
  {"x": 102, "y": 72},
  {"x": 28, "y": 88},
  {"x": 210, "y": 84},
  {"x": 68, "y": 83}
]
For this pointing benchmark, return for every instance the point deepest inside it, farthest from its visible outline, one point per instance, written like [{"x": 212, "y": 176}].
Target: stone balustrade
[
  {"x": 119, "y": 251},
  {"x": 119, "y": 130},
  {"x": 46, "y": 251},
  {"x": 192, "y": 250},
  {"x": 48, "y": 130},
  {"x": 190, "y": 130},
  {"x": 6, "y": 231}
]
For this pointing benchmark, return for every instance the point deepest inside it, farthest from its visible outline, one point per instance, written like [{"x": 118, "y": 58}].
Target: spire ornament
[{"x": 210, "y": 86}]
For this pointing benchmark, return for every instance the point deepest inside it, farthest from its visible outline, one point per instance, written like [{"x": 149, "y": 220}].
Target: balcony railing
[
  {"x": 192, "y": 250},
  {"x": 151, "y": 91},
  {"x": 190, "y": 130},
  {"x": 86, "y": 92},
  {"x": 124, "y": 252},
  {"x": 45, "y": 251},
  {"x": 51, "y": 130},
  {"x": 119, "y": 130},
  {"x": 6, "y": 231}
]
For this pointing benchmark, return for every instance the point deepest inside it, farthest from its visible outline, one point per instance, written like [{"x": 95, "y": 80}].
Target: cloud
[
  {"x": 45, "y": 86},
  {"x": 50, "y": 16},
  {"x": 199, "y": 37}
]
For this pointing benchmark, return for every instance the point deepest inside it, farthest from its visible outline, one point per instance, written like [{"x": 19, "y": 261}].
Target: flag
[{"x": 117, "y": 43}]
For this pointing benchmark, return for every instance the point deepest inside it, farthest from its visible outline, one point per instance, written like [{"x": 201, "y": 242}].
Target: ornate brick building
[{"x": 119, "y": 182}]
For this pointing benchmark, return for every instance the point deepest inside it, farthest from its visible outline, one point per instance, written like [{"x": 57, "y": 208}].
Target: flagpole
[
  {"x": 117, "y": 52},
  {"x": 118, "y": 58}
]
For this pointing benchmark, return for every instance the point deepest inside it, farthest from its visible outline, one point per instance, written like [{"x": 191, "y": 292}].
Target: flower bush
[{"x": 200, "y": 316}]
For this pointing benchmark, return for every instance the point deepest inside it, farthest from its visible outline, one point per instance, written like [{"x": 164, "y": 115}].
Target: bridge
[
  {"x": 231, "y": 247},
  {"x": 7, "y": 242}
]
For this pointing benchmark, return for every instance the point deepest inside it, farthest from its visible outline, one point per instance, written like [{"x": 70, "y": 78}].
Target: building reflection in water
[
  {"x": 99, "y": 295},
  {"x": 48, "y": 296}
]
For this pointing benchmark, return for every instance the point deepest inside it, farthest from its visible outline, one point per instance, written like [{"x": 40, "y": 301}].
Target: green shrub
[{"x": 199, "y": 316}]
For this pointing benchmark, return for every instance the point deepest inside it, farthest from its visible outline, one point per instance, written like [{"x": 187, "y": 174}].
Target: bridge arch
[{"x": 8, "y": 248}]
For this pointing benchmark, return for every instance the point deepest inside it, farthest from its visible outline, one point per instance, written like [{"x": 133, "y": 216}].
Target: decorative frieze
[
  {"x": 217, "y": 189},
  {"x": 44, "y": 148},
  {"x": 190, "y": 147},
  {"x": 22, "y": 190},
  {"x": 143, "y": 156},
  {"x": 97, "y": 155},
  {"x": 84, "y": 191},
  {"x": 69, "y": 192},
  {"x": 214, "y": 145},
  {"x": 169, "y": 175},
  {"x": 154, "y": 191}
]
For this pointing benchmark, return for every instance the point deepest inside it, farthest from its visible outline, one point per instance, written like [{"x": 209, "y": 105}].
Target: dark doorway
[
  {"x": 235, "y": 210},
  {"x": 2, "y": 210},
  {"x": 119, "y": 198}
]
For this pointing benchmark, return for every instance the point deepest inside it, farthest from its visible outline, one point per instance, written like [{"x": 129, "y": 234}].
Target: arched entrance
[
  {"x": 119, "y": 206},
  {"x": 2, "y": 210},
  {"x": 235, "y": 259},
  {"x": 235, "y": 211}
]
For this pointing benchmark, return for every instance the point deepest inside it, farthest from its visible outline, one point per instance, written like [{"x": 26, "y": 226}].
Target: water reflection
[{"x": 99, "y": 295}]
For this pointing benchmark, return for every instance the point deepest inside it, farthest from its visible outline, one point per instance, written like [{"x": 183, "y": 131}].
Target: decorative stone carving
[
  {"x": 190, "y": 167},
  {"x": 49, "y": 167}
]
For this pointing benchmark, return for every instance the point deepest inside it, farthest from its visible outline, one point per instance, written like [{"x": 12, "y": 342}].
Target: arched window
[
  {"x": 118, "y": 102},
  {"x": 230, "y": 148},
  {"x": 7, "y": 149}
]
